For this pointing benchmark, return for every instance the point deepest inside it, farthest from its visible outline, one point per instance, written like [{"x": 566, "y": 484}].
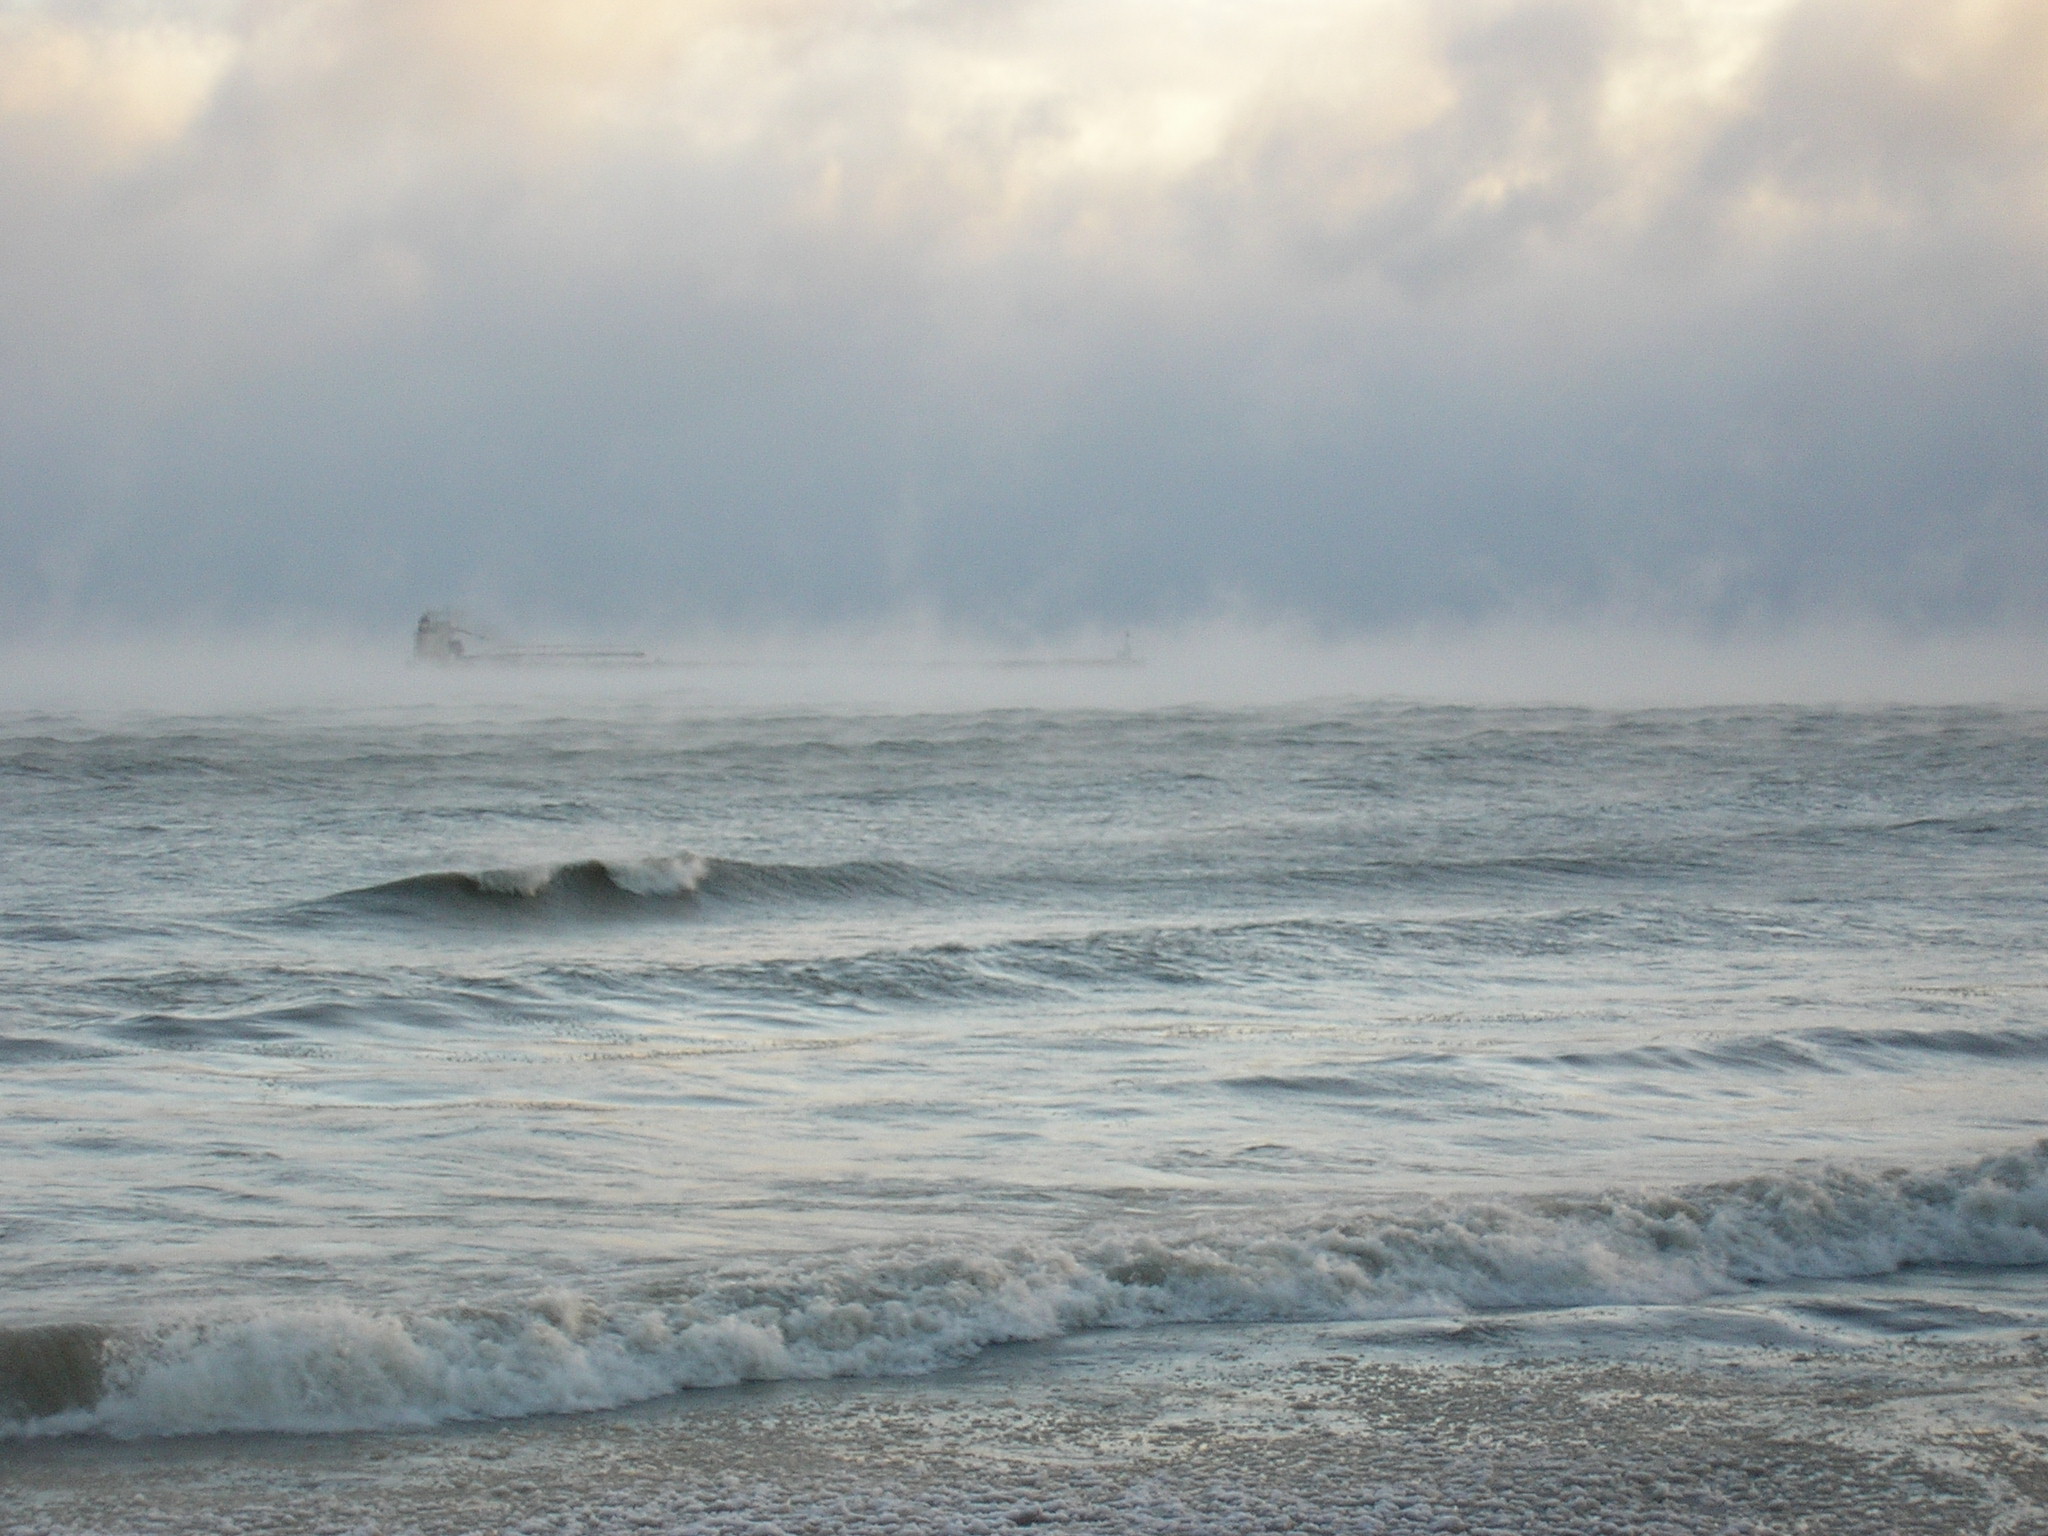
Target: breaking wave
[
  {"x": 337, "y": 1367},
  {"x": 620, "y": 887}
]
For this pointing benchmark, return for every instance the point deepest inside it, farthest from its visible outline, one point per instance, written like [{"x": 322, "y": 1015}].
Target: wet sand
[{"x": 1569, "y": 1422}]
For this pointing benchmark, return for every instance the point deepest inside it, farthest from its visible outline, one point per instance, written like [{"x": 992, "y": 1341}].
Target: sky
[{"x": 1025, "y": 318}]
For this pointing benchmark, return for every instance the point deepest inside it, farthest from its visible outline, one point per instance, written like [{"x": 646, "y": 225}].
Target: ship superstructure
[{"x": 443, "y": 639}]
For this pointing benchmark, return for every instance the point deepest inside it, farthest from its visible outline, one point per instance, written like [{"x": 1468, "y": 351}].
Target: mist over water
[
  {"x": 492, "y": 1055},
  {"x": 904, "y": 666}
]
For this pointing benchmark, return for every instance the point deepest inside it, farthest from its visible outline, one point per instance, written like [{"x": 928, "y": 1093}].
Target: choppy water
[{"x": 387, "y": 1067}]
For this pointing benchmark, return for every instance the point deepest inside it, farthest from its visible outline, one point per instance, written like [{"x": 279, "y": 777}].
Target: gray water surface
[{"x": 390, "y": 1066}]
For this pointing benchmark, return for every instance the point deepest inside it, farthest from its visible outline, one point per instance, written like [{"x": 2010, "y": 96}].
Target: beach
[{"x": 1738, "y": 1421}]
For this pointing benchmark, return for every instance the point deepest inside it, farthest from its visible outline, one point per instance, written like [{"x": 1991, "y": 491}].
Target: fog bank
[
  {"x": 1361, "y": 315},
  {"x": 1602, "y": 665}
]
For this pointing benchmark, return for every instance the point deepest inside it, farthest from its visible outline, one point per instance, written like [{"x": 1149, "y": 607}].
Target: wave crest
[
  {"x": 338, "y": 1368},
  {"x": 619, "y": 887}
]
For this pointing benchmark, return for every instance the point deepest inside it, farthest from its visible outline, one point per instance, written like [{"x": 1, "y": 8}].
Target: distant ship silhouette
[{"x": 441, "y": 639}]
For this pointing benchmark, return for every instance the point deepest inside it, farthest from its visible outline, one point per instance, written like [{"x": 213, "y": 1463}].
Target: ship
[{"x": 442, "y": 639}]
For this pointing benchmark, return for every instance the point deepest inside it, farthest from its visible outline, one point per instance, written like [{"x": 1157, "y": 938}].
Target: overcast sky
[{"x": 1024, "y": 315}]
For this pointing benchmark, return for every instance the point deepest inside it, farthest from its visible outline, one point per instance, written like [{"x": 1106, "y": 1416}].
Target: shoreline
[{"x": 1663, "y": 1420}]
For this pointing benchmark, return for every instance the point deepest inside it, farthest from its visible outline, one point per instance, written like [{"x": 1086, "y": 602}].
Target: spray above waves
[
  {"x": 641, "y": 887},
  {"x": 337, "y": 1368}
]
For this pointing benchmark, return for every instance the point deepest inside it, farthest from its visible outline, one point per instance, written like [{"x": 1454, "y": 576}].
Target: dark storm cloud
[{"x": 1025, "y": 315}]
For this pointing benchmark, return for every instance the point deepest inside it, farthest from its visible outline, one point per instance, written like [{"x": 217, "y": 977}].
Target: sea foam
[{"x": 338, "y": 1367}]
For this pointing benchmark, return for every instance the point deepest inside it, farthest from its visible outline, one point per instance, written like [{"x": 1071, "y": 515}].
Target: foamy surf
[{"x": 337, "y": 1368}]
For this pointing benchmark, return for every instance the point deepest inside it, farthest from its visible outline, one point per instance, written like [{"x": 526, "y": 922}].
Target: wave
[
  {"x": 51, "y": 1370},
  {"x": 1424, "y": 1078},
  {"x": 341, "y": 1368},
  {"x": 1826, "y": 1047},
  {"x": 619, "y": 887},
  {"x": 1283, "y": 951}
]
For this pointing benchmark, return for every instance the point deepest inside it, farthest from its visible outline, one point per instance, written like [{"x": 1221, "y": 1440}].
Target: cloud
[{"x": 1026, "y": 315}]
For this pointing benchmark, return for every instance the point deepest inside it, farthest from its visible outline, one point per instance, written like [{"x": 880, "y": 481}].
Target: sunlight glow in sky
[{"x": 1025, "y": 315}]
